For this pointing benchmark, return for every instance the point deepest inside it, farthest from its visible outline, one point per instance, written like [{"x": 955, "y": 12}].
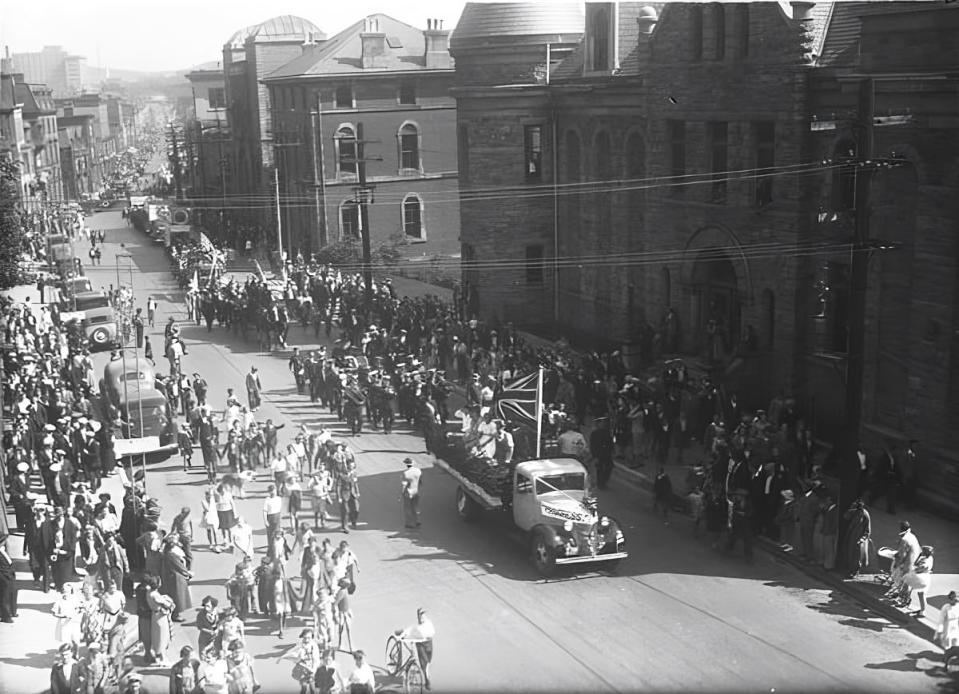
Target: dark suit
[
  {"x": 60, "y": 569},
  {"x": 61, "y": 684}
]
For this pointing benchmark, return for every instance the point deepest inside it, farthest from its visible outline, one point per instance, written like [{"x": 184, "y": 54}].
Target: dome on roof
[
  {"x": 648, "y": 12},
  {"x": 481, "y": 22},
  {"x": 285, "y": 26}
]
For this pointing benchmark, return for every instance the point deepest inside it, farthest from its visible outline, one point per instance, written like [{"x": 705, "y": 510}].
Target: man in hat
[
  {"x": 19, "y": 494},
  {"x": 59, "y": 540},
  {"x": 410, "y": 491},
  {"x": 199, "y": 389},
  {"x": 138, "y": 327}
]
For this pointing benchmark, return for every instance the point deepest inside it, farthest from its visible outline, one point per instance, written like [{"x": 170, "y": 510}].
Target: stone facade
[{"x": 638, "y": 219}]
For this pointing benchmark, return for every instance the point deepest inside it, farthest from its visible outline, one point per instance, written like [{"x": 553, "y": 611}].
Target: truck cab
[
  {"x": 101, "y": 328},
  {"x": 550, "y": 504}
]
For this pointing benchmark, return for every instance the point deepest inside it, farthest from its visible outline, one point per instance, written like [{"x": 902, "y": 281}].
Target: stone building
[
  {"x": 664, "y": 179},
  {"x": 392, "y": 80}
]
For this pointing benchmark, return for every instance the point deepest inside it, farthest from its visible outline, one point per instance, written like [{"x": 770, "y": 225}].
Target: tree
[{"x": 13, "y": 238}]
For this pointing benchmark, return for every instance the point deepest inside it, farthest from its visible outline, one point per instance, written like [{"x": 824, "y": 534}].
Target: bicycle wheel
[
  {"x": 413, "y": 679},
  {"x": 394, "y": 655}
]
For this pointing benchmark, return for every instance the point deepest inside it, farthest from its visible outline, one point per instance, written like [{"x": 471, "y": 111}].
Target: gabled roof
[
  {"x": 342, "y": 54},
  {"x": 840, "y": 42},
  {"x": 32, "y": 107}
]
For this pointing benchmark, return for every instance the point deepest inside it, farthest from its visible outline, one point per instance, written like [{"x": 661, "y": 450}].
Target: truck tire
[
  {"x": 467, "y": 509},
  {"x": 542, "y": 553}
]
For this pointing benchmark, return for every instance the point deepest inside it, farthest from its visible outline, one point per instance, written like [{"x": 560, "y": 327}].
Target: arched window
[
  {"x": 408, "y": 140},
  {"x": 769, "y": 319},
  {"x": 345, "y": 143},
  {"x": 635, "y": 157},
  {"x": 349, "y": 220},
  {"x": 413, "y": 217},
  {"x": 602, "y": 156}
]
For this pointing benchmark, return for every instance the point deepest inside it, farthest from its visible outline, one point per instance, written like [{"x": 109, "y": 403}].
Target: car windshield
[
  {"x": 135, "y": 376},
  {"x": 98, "y": 319},
  {"x": 570, "y": 481}
]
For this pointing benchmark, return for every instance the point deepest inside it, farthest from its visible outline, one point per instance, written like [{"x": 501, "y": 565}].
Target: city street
[{"x": 678, "y": 615}]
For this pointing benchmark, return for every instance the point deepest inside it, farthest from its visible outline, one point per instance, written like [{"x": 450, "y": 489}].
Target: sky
[{"x": 168, "y": 35}]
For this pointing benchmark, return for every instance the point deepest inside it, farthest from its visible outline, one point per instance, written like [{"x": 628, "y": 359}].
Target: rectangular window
[
  {"x": 534, "y": 264},
  {"x": 408, "y": 92},
  {"x": 350, "y": 220},
  {"x": 463, "y": 148},
  {"x": 765, "y": 159},
  {"x": 343, "y": 98},
  {"x": 597, "y": 36},
  {"x": 677, "y": 154},
  {"x": 719, "y": 22},
  {"x": 718, "y": 143},
  {"x": 217, "y": 97},
  {"x": 837, "y": 311},
  {"x": 533, "y": 146}
]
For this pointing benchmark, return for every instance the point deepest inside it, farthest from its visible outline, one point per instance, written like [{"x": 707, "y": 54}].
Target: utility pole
[
  {"x": 364, "y": 196},
  {"x": 319, "y": 173},
  {"x": 176, "y": 163}
]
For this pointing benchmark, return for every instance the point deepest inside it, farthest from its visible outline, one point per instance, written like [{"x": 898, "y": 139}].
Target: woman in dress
[
  {"x": 231, "y": 628},
  {"x": 112, "y": 604},
  {"x": 209, "y": 520},
  {"x": 175, "y": 577},
  {"x": 90, "y": 621},
  {"x": 161, "y": 607},
  {"x": 920, "y": 577},
  {"x": 306, "y": 653},
  {"x": 857, "y": 538},
  {"x": 67, "y": 611},
  {"x": 310, "y": 567},
  {"x": 947, "y": 631},
  {"x": 281, "y": 595},
  {"x": 225, "y": 511}
]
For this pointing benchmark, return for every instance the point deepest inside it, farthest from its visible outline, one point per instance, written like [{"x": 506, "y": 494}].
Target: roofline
[{"x": 364, "y": 73}]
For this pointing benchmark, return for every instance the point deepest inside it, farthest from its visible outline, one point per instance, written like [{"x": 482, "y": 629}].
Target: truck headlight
[
  {"x": 568, "y": 526},
  {"x": 604, "y": 522}
]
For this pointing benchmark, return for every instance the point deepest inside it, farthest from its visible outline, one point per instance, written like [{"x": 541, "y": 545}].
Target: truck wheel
[
  {"x": 100, "y": 336},
  {"x": 543, "y": 553},
  {"x": 467, "y": 509}
]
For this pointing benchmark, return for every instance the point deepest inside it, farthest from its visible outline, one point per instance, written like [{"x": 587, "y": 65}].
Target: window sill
[
  {"x": 409, "y": 173},
  {"x": 414, "y": 239}
]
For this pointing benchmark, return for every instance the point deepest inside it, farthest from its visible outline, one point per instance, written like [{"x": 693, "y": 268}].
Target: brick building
[
  {"x": 393, "y": 80},
  {"x": 207, "y": 136},
  {"x": 666, "y": 160}
]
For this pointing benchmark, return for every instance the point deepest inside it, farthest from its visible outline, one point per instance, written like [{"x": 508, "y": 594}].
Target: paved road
[{"x": 679, "y": 615}]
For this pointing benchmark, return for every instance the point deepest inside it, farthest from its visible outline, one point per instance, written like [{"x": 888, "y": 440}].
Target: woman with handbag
[{"x": 919, "y": 578}]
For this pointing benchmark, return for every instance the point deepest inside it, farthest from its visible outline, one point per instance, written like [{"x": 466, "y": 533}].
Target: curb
[{"x": 922, "y": 627}]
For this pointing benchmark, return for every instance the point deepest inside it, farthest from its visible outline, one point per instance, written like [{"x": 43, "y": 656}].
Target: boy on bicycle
[{"x": 421, "y": 634}]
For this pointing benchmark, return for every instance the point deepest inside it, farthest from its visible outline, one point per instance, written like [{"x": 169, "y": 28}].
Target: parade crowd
[{"x": 753, "y": 472}]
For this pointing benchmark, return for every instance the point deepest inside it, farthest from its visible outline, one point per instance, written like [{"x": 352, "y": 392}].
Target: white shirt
[
  {"x": 411, "y": 481},
  {"x": 278, "y": 464},
  {"x": 420, "y": 631},
  {"x": 363, "y": 674},
  {"x": 272, "y": 505}
]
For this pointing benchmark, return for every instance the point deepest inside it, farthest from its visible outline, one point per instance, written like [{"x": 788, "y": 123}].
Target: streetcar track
[
  {"x": 541, "y": 630},
  {"x": 745, "y": 632}
]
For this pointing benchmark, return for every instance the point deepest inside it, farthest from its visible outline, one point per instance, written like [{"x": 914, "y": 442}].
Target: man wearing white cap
[{"x": 411, "y": 494}]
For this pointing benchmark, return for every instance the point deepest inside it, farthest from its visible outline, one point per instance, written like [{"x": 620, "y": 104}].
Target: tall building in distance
[{"x": 54, "y": 67}]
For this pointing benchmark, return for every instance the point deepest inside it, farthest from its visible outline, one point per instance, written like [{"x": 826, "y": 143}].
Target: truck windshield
[{"x": 570, "y": 481}]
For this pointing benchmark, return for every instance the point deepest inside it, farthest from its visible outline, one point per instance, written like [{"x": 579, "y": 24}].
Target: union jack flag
[{"x": 518, "y": 401}]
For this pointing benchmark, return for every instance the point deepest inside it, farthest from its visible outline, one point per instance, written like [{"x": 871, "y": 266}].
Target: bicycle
[{"x": 414, "y": 680}]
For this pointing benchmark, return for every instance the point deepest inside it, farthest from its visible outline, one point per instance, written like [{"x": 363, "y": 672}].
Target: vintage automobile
[
  {"x": 74, "y": 285},
  {"x": 547, "y": 502},
  {"x": 101, "y": 328},
  {"x": 125, "y": 376}
]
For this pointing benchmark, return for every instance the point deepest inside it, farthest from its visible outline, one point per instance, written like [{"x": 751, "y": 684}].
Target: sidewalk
[{"x": 942, "y": 534}]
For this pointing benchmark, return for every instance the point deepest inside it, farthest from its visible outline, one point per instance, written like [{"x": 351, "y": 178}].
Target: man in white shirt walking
[
  {"x": 411, "y": 494},
  {"x": 421, "y": 635}
]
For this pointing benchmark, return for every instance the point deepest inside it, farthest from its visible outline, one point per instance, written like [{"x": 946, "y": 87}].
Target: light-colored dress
[
  {"x": 920, "y": 576},
  {"x": 68, "y": 614},
  {"x": 160, "y": 625},
  {"x": 947, "y": 630}
]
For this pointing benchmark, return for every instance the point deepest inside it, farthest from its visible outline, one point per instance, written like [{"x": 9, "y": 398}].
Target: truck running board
[{"x": 589, "y": 558}]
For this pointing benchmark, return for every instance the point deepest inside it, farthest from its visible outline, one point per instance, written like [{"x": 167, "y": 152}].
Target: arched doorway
[{"x": 717, "y": 304}]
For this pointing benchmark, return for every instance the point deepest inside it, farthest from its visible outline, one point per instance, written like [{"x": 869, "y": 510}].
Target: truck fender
[{"x": 550, "y": 532}]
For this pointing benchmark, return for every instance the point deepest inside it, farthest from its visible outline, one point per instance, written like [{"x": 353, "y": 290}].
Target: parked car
[{"x": 101, "y": 328}]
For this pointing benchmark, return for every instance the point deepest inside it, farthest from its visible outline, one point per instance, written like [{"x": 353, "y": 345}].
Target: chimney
[
  {"x": 802, "y": 9},
  {"x": 6, "y": 63},
  {"x": 374, "y": 44},
  {"x": 437, "y": 39}
]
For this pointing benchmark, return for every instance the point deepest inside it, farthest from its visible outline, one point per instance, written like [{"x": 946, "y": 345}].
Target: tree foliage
[
  {"x": 12, "y": 231},
  {"x": 348, "y": 253}
]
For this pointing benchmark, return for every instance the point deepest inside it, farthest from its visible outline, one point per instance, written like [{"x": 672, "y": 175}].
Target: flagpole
[{"x": 539, "y": 411}]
